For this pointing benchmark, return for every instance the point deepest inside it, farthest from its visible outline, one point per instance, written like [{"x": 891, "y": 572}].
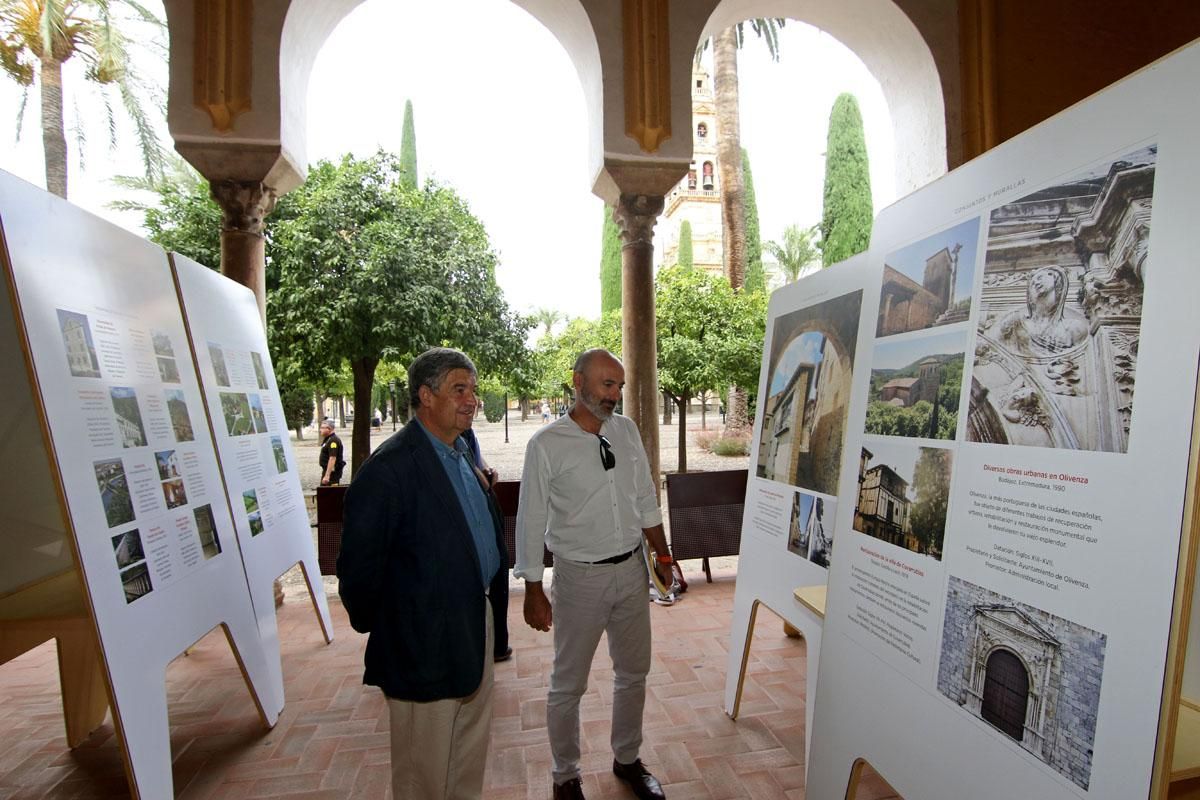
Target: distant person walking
[
  {"x": 545, "y": 412},
  {"x": 333, "y": 455}
]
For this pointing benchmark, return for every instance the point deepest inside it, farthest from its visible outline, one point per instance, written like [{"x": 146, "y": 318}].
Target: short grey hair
[
  {"x": 431, "y": 368},
  {"x": 585, "y": 358},
  {"x": 327, "y": 423}
]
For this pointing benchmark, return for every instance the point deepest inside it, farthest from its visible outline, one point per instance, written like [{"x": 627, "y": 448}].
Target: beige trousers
[
  {"x": 439, "y": 748},
  {"x": 589, "y": 600}
]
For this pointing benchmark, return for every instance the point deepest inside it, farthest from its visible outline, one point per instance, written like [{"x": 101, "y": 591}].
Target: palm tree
[
  {"x": 38, "y": 36},
  {"x": 729, "y": 162},
  {"x": 547, "y": 318},
  {"x": 797, "y": 251}
]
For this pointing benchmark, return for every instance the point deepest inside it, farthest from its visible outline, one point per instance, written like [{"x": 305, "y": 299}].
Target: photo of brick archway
[
  {"x": 1031, "y": 675},
  {"x": 804, "y": 406}
]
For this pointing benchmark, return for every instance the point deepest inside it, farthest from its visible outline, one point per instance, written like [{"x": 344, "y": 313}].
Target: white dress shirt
[{"x": 575, "y": 507}]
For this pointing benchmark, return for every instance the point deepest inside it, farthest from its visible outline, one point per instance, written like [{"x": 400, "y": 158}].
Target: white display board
[
  {"x": 794, "y": 491},
  {"x": 133, "y": 459},
  {"x": 256, "y": 454},
  {"x": 1000, "y": 602}
]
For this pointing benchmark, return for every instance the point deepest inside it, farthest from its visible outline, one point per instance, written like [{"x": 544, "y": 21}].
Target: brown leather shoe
[
  {"x": 644, "y": 785},
  {"x": 571, "y": 790}
]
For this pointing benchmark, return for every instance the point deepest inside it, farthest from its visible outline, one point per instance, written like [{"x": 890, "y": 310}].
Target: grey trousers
[
  {"x": 439, "y": 748},
  {"x": 589, "y": 600}
]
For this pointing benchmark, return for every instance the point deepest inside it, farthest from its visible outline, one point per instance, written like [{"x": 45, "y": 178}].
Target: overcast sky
[{"x": 500, "y": 117}]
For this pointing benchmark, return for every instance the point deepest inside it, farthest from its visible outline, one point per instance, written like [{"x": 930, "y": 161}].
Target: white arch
[{"x": 893, "y": 50}]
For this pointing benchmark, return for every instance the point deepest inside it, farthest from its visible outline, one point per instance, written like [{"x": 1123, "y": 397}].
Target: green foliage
[
  {"x": 183, "y": 217},
  {"x": 797, "y": 250},
  {"x": 408, "y": 149},
  {"x": 493, "y": 406},
  {"x": 931, "y": 483},
  {"x": 686, "y": 260},
  {"x": 297, "y": 405},
  {"x": 547, "y": 318},
  {"x": 756, "y": 279},
  {"x": 847, "y": 216},
  {"x": 555, "y": 355},
  {"x": 610, "y": 264},
  {"x": 730, "y": 446},
  {"x": 890, "y": 420}
]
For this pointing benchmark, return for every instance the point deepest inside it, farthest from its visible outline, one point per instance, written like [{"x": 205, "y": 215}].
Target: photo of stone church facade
[
  {"x": 1061, "y": 309},
  {"x": 929, "y": 283},
  {"x": 807, "y": 396},
  {"x": 1033, "y": 676}
]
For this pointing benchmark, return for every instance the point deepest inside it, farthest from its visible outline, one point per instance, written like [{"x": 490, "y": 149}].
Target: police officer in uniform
[{"x": 332, "y": 455}]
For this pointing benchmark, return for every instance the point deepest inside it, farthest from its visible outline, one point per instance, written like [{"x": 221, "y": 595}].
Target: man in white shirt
[{"x": 587, "y": 495}]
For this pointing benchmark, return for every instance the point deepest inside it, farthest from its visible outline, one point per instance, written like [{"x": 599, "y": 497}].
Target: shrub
[
  {"x": 493, "y": 406},
  {"x": 720, "y": 445}
]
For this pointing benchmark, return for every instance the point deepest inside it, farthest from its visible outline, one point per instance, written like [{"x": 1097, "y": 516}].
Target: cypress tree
[
  {"x": 756, "y": 280},
  {"x": 846, "y": 220},
  {"x": 408, "y": 148},
  {"x": 610, "y": 264},
  {"x": 685, "y": 259}
]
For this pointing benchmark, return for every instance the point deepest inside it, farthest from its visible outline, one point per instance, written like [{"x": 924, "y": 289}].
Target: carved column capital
[
  {"x": 635, "y": 215},
  {"x": 244, "y": 205}
]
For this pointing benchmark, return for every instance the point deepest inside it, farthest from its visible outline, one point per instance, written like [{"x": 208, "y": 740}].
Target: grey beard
[{"x": 597, "y": 410}]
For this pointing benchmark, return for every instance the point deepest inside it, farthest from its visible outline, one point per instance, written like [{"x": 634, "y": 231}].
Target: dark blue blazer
[{"x": 408, "y": 573}]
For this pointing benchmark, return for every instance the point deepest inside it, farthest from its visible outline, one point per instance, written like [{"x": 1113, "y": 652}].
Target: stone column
[
  {"x": 244, "y": 206},
  {"x": 635, "y": 215}
]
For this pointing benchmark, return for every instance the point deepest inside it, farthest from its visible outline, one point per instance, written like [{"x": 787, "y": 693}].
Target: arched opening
[
  {"x": 891, "y": 47},
  {"x": 1006, "y": 693}
]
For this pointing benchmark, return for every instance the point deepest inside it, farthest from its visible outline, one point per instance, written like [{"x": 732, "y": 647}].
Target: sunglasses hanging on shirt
[{"x": 606, "y": 454}]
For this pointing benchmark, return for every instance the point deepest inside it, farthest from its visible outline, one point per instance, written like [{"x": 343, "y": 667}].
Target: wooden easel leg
[
  {"x": 326, "y": 628},
  {"x": 84, "y": 690},
  {"x": 741, "y": 680},
  {"x": 707, "y": 570}
]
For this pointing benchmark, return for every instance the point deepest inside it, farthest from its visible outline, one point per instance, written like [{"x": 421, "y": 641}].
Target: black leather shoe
[
  {"x": 571, "y": 790},
  {"x": 505, "y": 656},
  {"x": 644, "y": 785}
]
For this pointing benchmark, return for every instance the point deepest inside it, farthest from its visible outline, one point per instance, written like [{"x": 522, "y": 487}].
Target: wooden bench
[{"x": 705, "y": 514}]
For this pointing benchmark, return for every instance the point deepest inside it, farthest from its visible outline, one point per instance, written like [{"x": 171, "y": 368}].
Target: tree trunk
[
  {"x": 54, "y": 140},
  {"x": 704, "y": 410},
  {"x": 729, "y": 157},
  {"x": 360, "y": 434},
  {"x": 736, "y": 415},
  {"x": 667, "y": 399},
  {"x": 682, "y": 402}
]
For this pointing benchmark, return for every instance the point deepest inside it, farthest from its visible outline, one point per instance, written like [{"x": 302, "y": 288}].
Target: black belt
[{"x": 616, "y": 559}]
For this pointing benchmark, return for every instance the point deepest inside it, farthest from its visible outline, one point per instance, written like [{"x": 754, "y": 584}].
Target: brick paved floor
[{"x": 332, "y": 742}]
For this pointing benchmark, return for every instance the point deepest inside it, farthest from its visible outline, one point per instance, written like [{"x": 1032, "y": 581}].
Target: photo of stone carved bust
[{"x": 1046, "y": 326}]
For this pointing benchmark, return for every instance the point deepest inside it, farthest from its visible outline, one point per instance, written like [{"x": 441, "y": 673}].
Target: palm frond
[
  {"x": 21, "y": 111},
  {"x": 79, "y": 134},
  {"x": 153, "y": 156},
  {"x": 52, "y": 28}
]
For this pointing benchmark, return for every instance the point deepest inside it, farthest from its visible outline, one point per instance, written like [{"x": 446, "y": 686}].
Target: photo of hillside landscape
[{"x": 915, "y": 387}]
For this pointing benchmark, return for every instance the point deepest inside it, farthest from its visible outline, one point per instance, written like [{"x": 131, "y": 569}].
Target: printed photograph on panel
[
  {"x": 798, "y": 533},
  {"x": 253, "y": 514},
  {"x": 114, "y": 491},
  {"x": 915, "y": 386},
  {"x": 127, "y": 547},
  {"x": 236, "y": 409},
  {"x": 168, "y": 370},
  {"x": 929, "y": 283},
  {"x": 1032, "y": 676},
  {"x": 217, "y": 356},
  {"x": 1061, "y": 308},
  {"x": 162, "y": 344},
  {"x": 256, "y": 413},
  {"x": 168, "y": 464},
  {"x": 181, "y": 421},
  {"x": 206, "y": 529},
  {"x": 129, "y": 417},
  {"x": 280, "y": 454},
  {"x": 77, "y": 339},
  {"x": 260, "y": 373},
  {"x": 174, "y": 493},
  {"x": 136, "y": 581},
  {"x": 808, "y": 394},
  {"x": 903, "y": 495}
]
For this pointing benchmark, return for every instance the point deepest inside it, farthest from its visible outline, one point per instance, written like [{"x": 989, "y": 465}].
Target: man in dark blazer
[{"x": 421, "y": 542}]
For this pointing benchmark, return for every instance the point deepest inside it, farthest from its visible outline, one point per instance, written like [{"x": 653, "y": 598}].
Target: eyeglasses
[{"x": 606, "y": 454}]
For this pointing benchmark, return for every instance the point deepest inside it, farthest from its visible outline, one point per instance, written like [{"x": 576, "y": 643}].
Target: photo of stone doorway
[
  {"x": 807, "y": 395},
  {"x": 1034, "y": 677},
  {"x": 1061, "y": 308}
]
